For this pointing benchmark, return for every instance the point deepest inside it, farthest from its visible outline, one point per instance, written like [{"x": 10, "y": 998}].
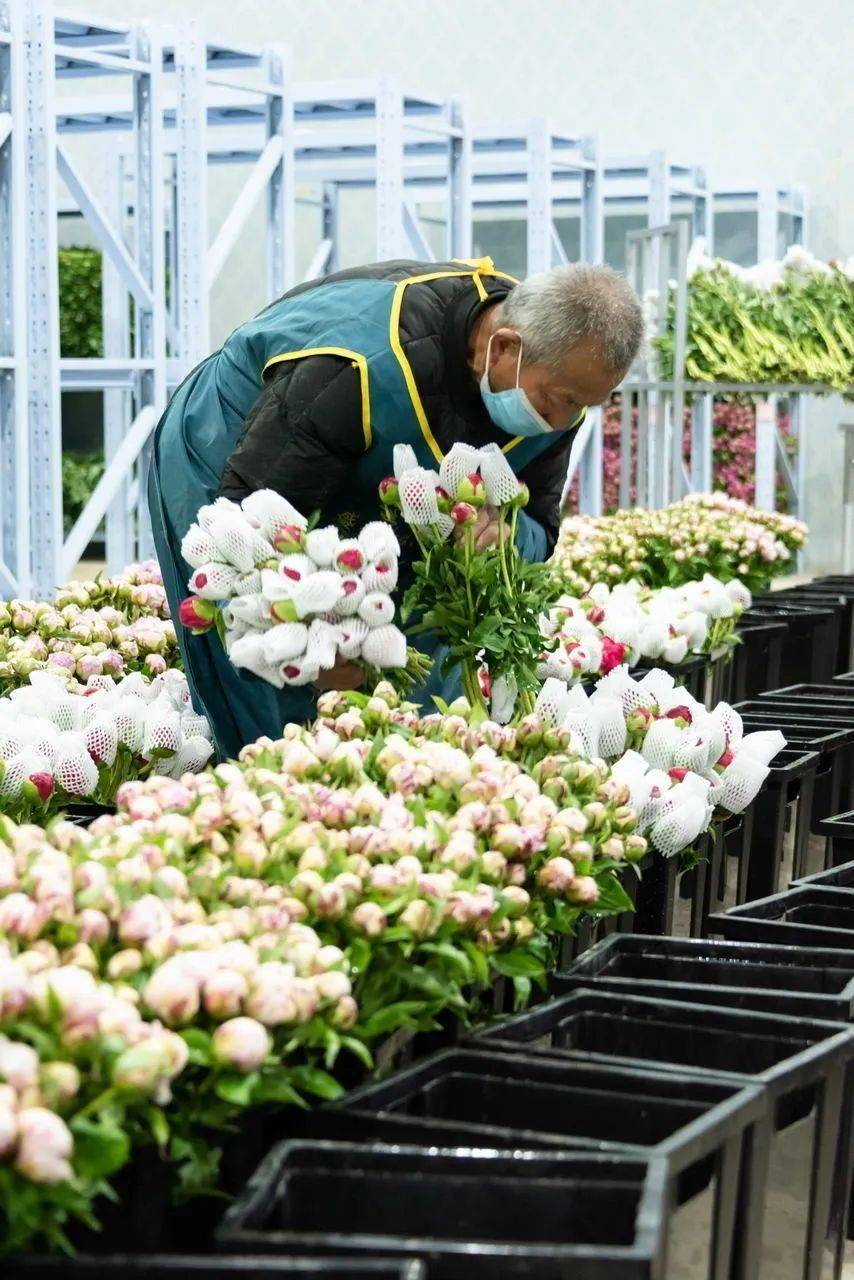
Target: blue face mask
[{"x": 511, "y": 410}]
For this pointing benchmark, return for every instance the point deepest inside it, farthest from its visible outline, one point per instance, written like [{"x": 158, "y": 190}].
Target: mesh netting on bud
[
  {"x": 611, "y": 727},
  {"x": 192, "y": 757},
  {"x": 287, "y": 640},
  {"x": 381, "y": 576},
  {"x": 384, "y": 647},
  {"x": 176, "y": 686},
  {"x": 237, "y": 542},
  {"x": 105, "y": 684},
  {"x": 65, "y": 712},
  {"x": 377, "y": 609},
  {"x": 444, "y": 526},
  {"x": 418, "y": 500},
  {"x": 317, "y": 594},
  {"x": 213, "y": 581},
  {"x": 556, "y": 666},
  {"x": 298, "y": 672},
  {"x": 740, "y": 782},
  {"x": 460, "y": 461},
  {"x": 693, "y": 751},
  {"x": 378, "y": 541},
  {"x": 43, "y": 739},
  {"x": 10, "y": 742},
  {"x": 499, "y": 479},
  {"x": 761, "y": 746},
  {"x": 134, "y": 685},
  {"x": 162, "y": 730},
  {"x": 248, "y": 584},
  {"x": 197, "y": 547},
  {"x": 584, "y": 730},
  {"x": 680, "y": 823},
  {"x": 322, "y": 646},
  {"x": 102, "y": 740},
  {"x": 352, "y": 595},
  {"x": 234, "y": 630},
  {"x": 658, "y": 684},
  {"x": 21, "y": 767},
  {"x": 247, "y": 654},
  {"x": 404, "y": 459},
  {"x": 195, "y": 726},
  {"x": 296, "y": 567},
  {"x": 349, "y": 636},
  {"x": 551, "y": 701},
  {"x": 269, "y": 509},
  {"x": 739, "y": 594},
  {"x": 321, "y": 545},
  {"x": 75, "y": 770},
  {"x": 276, "y": 587},
  {"x": 713, "y": 730},
  {"x": 130, "y": 723},
  {"x": 662, "y": 740},
  {"x": 215, "y": 510},
  {"x": 731, "y": 722},
  {"x": 253, "y": 611}
]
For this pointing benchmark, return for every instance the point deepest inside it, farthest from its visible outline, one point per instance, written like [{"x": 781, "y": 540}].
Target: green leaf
[
  {"x": 100, "y": 1147},
  {"x": 235, "y": 1088},
  {"x": 320, "y": 1083},
  {"x": 276, "y": 1086},
  {"x": 199, "y": 1044},
  {"x": 403, "y": 1013},
  {"x": 517, "y": 964},
  {"x": 158, "y": 1124}
]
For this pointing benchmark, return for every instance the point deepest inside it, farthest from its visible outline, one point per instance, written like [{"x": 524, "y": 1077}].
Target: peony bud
[
  {"x": 288, "y": 538},
  {"x": 172, "y": 994},
  {"x": 197, "y": 615},
  {"x": 463, "y": 514},
  {"x": 680, "y": 713},
  {"x": 224, "y": 992},
  {"x": 59, "y": 1081},
  {"x": 471, "y": 489},
  {"x": 8, "y": 1129},
  {"x": 345, "y": 1013},
  {"x": 389, "y": 492},
  {"x": 43, "y": 784},
  {"x": 556, "y": 875},
  {"x": 44, "y": 1146},
  {"x": 583, "y": 891},
  {"x": 417, "y": 917},
  {"x": 369, "y": 918},
  {"x": 241, "y": 1043}
]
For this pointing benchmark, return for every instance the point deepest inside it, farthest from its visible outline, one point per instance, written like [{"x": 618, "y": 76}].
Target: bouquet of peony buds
[
  {"x": 483, "y": 604},
  {"x": 680, "y": 760},
  {"x": 291, "y": 601},
  {"x": 626, "y": 623},
  {"x": 704, "y": 534},
  {"x": 57, "y": 746},
  {"x": 137, "y": 592}
]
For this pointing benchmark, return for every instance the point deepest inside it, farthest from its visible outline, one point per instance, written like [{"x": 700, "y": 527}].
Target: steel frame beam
[{"x": 769, "y": 202}]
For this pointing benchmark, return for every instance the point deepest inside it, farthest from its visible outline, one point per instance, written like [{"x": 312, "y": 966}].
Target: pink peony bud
[
  {"x": 350, "y": 561},
  {"x": 241, "y": 1043},
  {"x": 463, "y": 514},
  {"x": 196, "y": 615},
  {"x": 613, "y": 654},
  {"x": 583, "y": 891},
  {"x": 680, "y": 713},
  {"x": 172, "y": 994},
  {"x": 471, "y": 489},
  {"x": 44, "y": 1146},
  {"x": 726, "y": 759},
  {"x": 345, "y": 1014},
  {"x": 678, "y": 774},
  {"x": 224, "y": 992},
  {"x": 287, "y": 538},
  {"x": 369, "y": 918},
  {"x": 141, "y": 1067},
  {"x": 556, "y": 875},
  {"x": 484, "y": 681},
  {"x": 155, "y": 664},
  {"x": 89, "y": 666},
  {"x": 389, "y": 492},
  {"x": 43, "y": 783},
  {"x": 417, "y": 917},
  {"x": 19, "y": 1064},
  {"x": 20, "y": 916}
]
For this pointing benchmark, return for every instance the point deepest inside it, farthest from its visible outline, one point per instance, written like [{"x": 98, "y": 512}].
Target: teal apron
[{"x": 357, "y": 320}]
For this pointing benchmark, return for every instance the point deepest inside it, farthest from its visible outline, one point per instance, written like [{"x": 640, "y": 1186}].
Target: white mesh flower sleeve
[
  {"x": 253, "y": 611},
  {"x": 299, "y": 671},
  {"x": 739, "y": 594},
  {"x": 693, "y": 751},
  {"x": 418, "y": 500},
  {"x": 21, "y": 767},
  {"x": 296, "y": 566},
  {"x": 377, "y": 609},
  {"x": 176, "y": 687},
  {"x": 404, "y": 459},
  {"x": 75, "y": 771},
  {"x": 732, "y": 723},
  {"x": 197, "y": 547},
  {"x": 10, "y": 742},
  {"x": 162, "y": 729},
  {"x": 215, "y": 510},
  {"x": 611, "y": 725},
  {"x": 381, "y": 576},
  {"x": 322, "y": 645},
  {"x": 321, "y": 545},
  {"x": 662, "y": 740},
  {"x": 352, "y": 595},
  {"x": 460, "y": 461},
  {"x": 675, "y": 650},
  {"x": 761, "y": 746},
  {"x": 287, "y": 640},
  {"x": 195, "y": 726},
  {"x": 248, "y": 584},
  {"x": 350, "y": 634},
  {"x": 652, "y": 638},
  {"x": 130, "y": 722},
  {"x": 384, "y": 647},
  {"x": 681, "y": 821},
  {"x": 585, "y": 732},
  {"x": 213, "y": 581},
  {"x": 317, "y": 594},
  {"x": 377, "y": 540},
  {"x": 659, "y": 684},
  {"x": 499, "y": 479},
  {"x": 740, "y": 782},
  {"x": 237, "y": 542},
  {"x": 191, "y": 757},
  {"x": 268, "y": 509},
  {"x": 551, "y": 701},
  {"x": 102, "y": 739},
  {"x": 504, "y": 693},
  {"x": 247, "y": 654}
]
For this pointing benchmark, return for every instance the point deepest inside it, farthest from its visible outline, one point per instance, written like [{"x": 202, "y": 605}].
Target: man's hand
[
  {"x": 343, "y": 676},
  {"x": 485, "y": 529}
]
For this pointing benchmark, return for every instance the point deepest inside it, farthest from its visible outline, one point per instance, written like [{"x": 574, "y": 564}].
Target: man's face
[{"x": 559, "y": 395}]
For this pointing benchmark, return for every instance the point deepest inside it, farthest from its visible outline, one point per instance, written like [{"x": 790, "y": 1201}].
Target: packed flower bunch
[
  {"x": 790, "y": 321},
  {"x": 592, "y": 634},
  {"x": 75, "y": 642},
  {"x": 218, "y": 941},
  {"x": 702, "y": 534},
  {"x": 290, "y": 601},
  {"x": 733, "y": 452},
  {"x": 137, "y": 592},
  {"x": 58, "y": 746},
  {"x": 483, "y": 604},
  {"x": 681, "y": 762}
]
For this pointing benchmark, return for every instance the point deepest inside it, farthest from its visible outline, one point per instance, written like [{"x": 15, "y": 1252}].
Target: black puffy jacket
[{"x": 305, "y": 429}]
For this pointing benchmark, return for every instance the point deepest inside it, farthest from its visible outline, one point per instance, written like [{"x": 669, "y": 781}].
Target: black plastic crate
[
  {"x": 211, "y": 1267},
  {"x": 844, "y": 677},
  {"x": 785, "y": 796},
  {"x": 805, "y": 916},
  {"x": 839, "y": 599},
  {"x": 82, "y": 813},
  {"x": 757, "y": 657},
  {"x": 811, "y": 642},
  {"x": 838, "y": 830},
  {"x": 804, "y": 1066},
  {"x": 806, "y": 982},
  {"x": 470, "y": 1214},
  {"x": 477, "y": 1098}
]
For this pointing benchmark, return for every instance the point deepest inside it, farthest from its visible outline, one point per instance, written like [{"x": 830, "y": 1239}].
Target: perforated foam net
[
  {"x": 286, "y": 640},
  {"x": 499, "y": 479},
  {"x": 681, "y": 821},
  {"x": 102, "y": 740},
  {"x": 197, "y": 547},
  {"x": 247, "y": 654},
  {"x": 731, "y": 722},
  {"x": 377, "y": 540},
  {"x": 253, "y": 611},
  {"x": 20, "y": 767},
  {"x": 353, "y": 593},
  {"x": 238, "y": 543},
  {"x": 214, "y": 510},
  {"x": 75, "y": 770},
  {"x": 195, "y": 726},
  {"x": 460, "y": 461},
  {"x": 762, "y": 746},
  {"x": 418, "y": 500},
  {"x": 350, "y": 634},
  {"x": 377, "y": 609},
  {"x": 322, "y": 646},
  {"x": 268, "y": 509},
  {"x": 299, "y": 672},
  {"x": 213, "y": 581},
  {"x": 317, "y": 594},
  {"x": 191, "y": 758},
  {"x": 611, "y": 727},
  {"x": 661, "y": 743},
  {"x": 740, "y": 782},
  {"x": 321, "y": 545},
  {"x": 130, "y": 723},
  {"x": 385, "y": 647},
  {"x": 162, "y": 730},
  {"x": 551, "y": 701},
  {"x": 385, "y": 579},
  {"x": 404, "y": 459}
]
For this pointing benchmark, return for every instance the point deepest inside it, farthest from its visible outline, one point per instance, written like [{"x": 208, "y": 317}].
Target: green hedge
[{"x": 80, "y": 329}]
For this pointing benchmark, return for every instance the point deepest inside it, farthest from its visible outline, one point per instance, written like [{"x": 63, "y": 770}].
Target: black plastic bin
[
  {"x": 806, "y": 982},
  {"x": 481, "y": 1098},
  {"x": 811, "y": 642},
  {"x": 472, "y": 1215},
  {"x": 839, "y": 599},
  {"x": 803, "y": 1065},
  {"x": 757, "y": 657},
  {"x": 211, "y": 1267},
  {"x": 788, "y": 788},
  {"x": 839, "y": 833},
  {"x": 690, "y": 674},
  {"x": 844, "y": 677},
  {"x": 83, "y": 813},
  {"x": 808, "y": 915}
]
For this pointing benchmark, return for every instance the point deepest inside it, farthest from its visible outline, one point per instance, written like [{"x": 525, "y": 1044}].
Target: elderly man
[{"x": 310, "y": 397}]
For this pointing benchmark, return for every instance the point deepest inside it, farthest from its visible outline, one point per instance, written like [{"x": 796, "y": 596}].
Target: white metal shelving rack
[{"x": 770, "y": 204}]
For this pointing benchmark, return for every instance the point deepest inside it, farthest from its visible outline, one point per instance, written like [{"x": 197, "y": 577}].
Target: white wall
[{"x": 745, "y": 87}]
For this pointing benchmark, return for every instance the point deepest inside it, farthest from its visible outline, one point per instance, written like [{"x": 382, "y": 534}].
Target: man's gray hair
[{"x": 556, "y": 309}]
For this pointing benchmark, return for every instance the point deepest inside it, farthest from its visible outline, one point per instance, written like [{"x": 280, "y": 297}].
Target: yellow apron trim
[
  {"x": 516, "y": 439},
  {"x": 359, "y": 362},
  {"x": 485, "y": 265}
]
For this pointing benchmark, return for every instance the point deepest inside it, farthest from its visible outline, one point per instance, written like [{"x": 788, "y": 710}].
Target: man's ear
[{"x": 505, "y": 341}]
